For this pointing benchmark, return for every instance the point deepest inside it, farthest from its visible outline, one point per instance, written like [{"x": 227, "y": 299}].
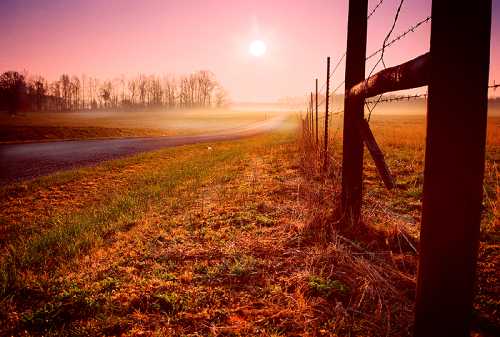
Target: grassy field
[
  {"x": 231, "y": 241},
  {"x": 104, "y": 124},
  {"x": 392, "y": 218}
]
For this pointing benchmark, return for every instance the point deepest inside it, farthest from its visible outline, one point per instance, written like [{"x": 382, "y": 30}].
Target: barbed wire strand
[
  {"x": 386, "y": 43},
  {"x": 382, "y": 52},
  {"x": 372, "y": 12},
  {"x": 398, "y": 98},
  {"x": 337, "y": 65},
  {"x": 400, "y": 36},
  {"x": 374, "y": 9}
]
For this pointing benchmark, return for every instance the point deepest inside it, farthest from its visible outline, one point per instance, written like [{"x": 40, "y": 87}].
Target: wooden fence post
[
  {"x": 454, "y": 166},
  {"x": 306, "y": 120},
  {"x": 376, "y": 153},
  {"x": 312, "y": 116},
  {"x": 308, "y": 117},
  {"x": 327, "y": 102},
  {"x": 352, "y": 155},
  {"x": 316, "y": 101}
]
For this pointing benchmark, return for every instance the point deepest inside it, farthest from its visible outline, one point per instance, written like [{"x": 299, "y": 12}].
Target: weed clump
[{"x": 326, "y": 288}]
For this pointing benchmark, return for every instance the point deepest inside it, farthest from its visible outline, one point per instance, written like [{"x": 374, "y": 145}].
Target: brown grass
[
  {"x": 242, "y": 244},
  {"x": 10, "y": 134},
  {"x": 390, "y": 230}
]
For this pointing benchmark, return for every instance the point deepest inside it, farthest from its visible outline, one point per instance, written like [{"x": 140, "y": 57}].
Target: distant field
[
  {"x": 395, "y": 130},
  {"x": 409, "y": 131},
  {"x": 14, "y": 133},
  {"x": 33, "y": 126},
  {"x": 102, "y": 124}
]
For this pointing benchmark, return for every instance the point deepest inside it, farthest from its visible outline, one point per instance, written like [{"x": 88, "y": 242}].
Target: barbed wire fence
[
  {"x": 369, "y": 104},
  {"x": 450, "y": 162}
]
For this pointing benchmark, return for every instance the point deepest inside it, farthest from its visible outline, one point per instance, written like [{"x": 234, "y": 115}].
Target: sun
[{"x": 257, "y": 48}]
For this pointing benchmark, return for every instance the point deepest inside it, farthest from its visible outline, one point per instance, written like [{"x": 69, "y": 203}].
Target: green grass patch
[
  {"x": 72, "y": 234},
  {"x": 325, "y": 287}
]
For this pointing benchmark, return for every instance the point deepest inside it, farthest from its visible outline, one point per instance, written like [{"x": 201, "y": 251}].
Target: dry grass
[
  {"x": 10, "y": 134},
  {"x": 241, "y": 244},
  {"x": 390, "y": 232}
]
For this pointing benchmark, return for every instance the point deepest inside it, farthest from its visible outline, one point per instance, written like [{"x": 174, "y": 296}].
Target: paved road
[{"x": 25, "y": 161}]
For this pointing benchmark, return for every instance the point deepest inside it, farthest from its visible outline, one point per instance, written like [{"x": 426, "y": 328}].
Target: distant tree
[
  {"x": 38, "y": 88},
  {"x": 12, "y": 91},
  {"x": 169, "y": 91},
  {"x": 221, "y": 97},
  {"x": 184, "y": 100},
  {"x": 156, "y": 92},
  {"x": 105, "y": 93},
  {"x": 142, "y": 85},
  {"x": 206, "y": 86},
  {"x": 84, "y": 80},
  {"x": 132, "y": 89},
  {"x": 193, "y": 90},
  {"x": 75, "y": 93},
  {"x": 198, "y": 89},
  {"x": 65, "y": 85},
  {"x": 121, "y": 81}
]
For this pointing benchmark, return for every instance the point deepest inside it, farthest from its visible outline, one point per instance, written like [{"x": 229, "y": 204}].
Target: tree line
[{"x": 23, "y": 92}]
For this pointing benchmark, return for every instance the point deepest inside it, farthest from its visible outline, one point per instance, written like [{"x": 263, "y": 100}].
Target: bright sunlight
[{"x": 258, "y": 48}]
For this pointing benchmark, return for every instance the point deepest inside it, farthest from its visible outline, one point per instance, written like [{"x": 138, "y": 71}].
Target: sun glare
[{"x": 258, "y": 48}]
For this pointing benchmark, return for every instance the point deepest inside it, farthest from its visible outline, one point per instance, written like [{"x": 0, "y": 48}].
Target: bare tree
[
  {"x": 39, "y": 92},
  {"x": 105, "y": 93},
  {"x": 199, "y": 89},
  {"x": 169, "y": 91},
  {"x": 221, "y": 97},
  {"x": 75, "y": 93},
  {"x": 12, "y": 91}
]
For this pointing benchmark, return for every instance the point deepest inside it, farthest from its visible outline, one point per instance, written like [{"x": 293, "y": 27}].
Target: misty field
[
  {"x": 231, "y": 240},
  {"x": 29, "y": 126}
]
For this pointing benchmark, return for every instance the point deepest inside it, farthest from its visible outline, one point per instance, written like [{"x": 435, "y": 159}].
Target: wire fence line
[
  {"x": 398, "y": 98},
  {"x": 390, "y": 99},
  {"x": 372, "y": 12},
  {"x": 401, "y": 36},
  {"x": 389, "y": 33},
  {"x": 339, "y": 62},
  {"x": 365, "y": 93},
  {"x": 380, "y": 52},
  {"x": 385, "y": 45},
  {"x": 374, "y": 9}
]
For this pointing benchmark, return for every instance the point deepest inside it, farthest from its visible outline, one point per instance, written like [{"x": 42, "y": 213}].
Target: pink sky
[{"x": 114, "y": 37}]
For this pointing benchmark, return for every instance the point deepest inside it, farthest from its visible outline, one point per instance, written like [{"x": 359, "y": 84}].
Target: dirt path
[{"x": 25, "y": 161}]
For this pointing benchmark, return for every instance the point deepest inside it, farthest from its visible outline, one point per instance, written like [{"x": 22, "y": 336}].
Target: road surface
[{"x": 26, "y": 161}]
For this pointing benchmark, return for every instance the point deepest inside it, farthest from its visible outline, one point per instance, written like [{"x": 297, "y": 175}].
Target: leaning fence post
[
  {"x": 352, "y": 154},
  {"x": 454, "y": 167},
  {"x": 327, "y": 101}
]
